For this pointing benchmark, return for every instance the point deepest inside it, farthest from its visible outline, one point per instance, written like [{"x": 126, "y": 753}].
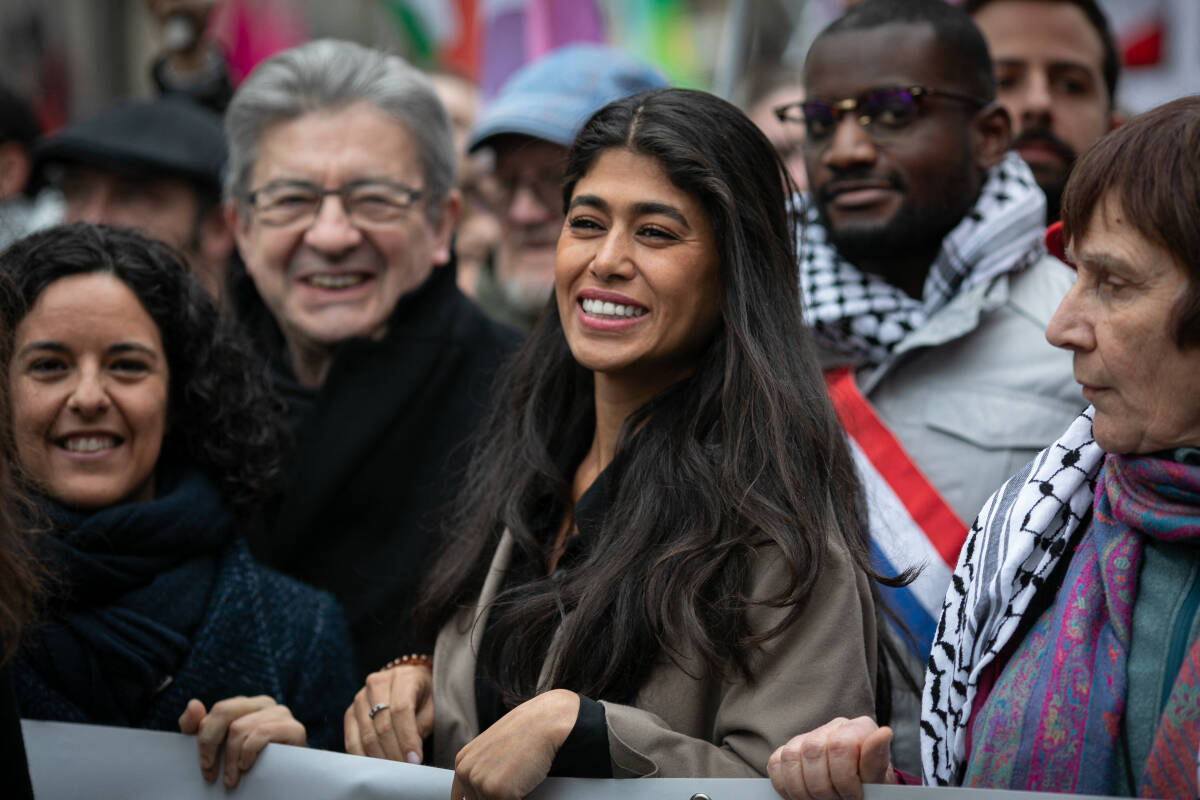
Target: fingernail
[{"x": 412, "y": 757}]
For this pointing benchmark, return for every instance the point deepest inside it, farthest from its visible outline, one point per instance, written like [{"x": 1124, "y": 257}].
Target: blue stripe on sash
[{"x": 904, "y": 604}]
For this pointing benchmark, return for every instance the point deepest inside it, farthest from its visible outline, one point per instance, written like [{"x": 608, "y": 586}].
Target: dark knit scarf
[{"x": 135, "y": 580}]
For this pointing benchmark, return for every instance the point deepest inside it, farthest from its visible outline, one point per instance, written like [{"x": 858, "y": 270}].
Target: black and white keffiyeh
[
  {"x": 1013, "y": 546},
  {"x": 863, "y": 315}
]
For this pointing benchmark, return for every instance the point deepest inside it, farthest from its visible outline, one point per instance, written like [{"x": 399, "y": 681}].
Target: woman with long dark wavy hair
[
  {"x": 144, "y": 435},
  {"x": 21, "y": 585},
  {"x": 658, "y": 565}
]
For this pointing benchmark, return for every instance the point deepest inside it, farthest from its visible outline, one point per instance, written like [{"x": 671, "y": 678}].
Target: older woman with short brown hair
[{"x": 1068, "y": 653}]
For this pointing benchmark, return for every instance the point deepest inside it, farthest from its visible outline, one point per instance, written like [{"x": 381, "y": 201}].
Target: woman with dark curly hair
[
  {"x": 659, "y": 564},
  {"x": 143, "y": 433},
  {"x": 21, "y": 584}
]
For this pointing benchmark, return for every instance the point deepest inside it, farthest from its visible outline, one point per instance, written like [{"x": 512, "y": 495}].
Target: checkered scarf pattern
[
  {"x": 864, "y": 316},
  {"x": 1011, "y": 550}
]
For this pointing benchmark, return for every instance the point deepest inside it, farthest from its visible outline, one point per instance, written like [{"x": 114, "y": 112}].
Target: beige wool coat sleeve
[{"x": 685, "y": 722}]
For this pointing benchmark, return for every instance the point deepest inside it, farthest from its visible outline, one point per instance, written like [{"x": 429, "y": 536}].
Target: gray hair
[{"x": 331, "y": 74}]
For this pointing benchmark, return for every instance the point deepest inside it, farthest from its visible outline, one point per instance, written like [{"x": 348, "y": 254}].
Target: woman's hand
[
  {"x": 833, "y": 761},
  {"x": 403, "y": 697},
  {"x": 509, "y": 759},
  {"x": 244, "y": 725}
]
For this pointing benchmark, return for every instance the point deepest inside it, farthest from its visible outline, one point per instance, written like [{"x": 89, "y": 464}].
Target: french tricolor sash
[{"x": 910, "y": 524}]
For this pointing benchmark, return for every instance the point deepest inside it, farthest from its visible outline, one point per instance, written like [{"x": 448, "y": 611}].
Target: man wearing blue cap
[
  {"x": 155, "y": 166},
  {"x": 529, "y": 126}
]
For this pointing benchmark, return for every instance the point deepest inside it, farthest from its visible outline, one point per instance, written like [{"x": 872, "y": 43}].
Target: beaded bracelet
[{"x": 411, "y": 660}]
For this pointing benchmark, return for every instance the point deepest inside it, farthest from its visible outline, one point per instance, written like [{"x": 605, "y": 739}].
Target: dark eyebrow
[
  {"x": 1079, "y": 65},
  {"x": 1101, "y": 260},
  {"x": 119, "y": 347},
  {"x": 132, "y": 347},
  {"x": 663, "y": 209},
  {"x": 45, "y": 344},
  {"x": 639, "y": 209},
  {"x": 1058, "y": 65},
  {"x": 590, "y": 200},
  {"x": 299, "y": 183},
  {"x": 294, "y": 183}
]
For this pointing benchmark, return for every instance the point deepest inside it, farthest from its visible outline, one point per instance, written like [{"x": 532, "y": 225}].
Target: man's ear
[
  {"x": 235, "y": 221},
  {"x": 1116, "y": 119},
  {"x": 991, "y": 134},
  {"x": 216, "y": 235},
  {"x": 443, "y": 227}
]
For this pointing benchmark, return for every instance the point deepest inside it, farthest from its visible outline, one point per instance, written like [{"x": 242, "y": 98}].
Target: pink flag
[
  {"x": 254, "y": 30},
  {"x": 516, "y": 32}
]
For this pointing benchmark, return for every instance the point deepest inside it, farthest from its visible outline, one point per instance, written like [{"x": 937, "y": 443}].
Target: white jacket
[
  {"x": 973, "y": 395},
  {"x": 977, "y": 391}
]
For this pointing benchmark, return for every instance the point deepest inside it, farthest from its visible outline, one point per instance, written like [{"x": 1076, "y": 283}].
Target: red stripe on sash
[{"x": 924, "y": 504}]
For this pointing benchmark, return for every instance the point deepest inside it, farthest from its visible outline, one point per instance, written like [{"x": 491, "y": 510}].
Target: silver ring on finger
[{"x": 375, "y": 709}]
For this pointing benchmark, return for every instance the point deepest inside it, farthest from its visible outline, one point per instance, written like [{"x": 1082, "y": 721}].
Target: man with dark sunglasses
[{"x": 928, "y": 289}]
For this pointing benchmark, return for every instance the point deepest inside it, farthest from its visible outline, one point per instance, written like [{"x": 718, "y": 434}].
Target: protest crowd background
[{"x": 797, "y": 391}]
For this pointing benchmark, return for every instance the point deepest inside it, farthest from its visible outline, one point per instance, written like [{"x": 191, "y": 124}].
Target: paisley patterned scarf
[{"x": 1052, "y": 721}]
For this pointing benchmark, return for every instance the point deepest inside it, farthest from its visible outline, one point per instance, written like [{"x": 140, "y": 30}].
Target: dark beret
[{"x": 168, "y": 137}]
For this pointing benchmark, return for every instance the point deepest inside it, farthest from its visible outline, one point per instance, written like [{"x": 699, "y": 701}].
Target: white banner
[{"x": 93, "y": 762}]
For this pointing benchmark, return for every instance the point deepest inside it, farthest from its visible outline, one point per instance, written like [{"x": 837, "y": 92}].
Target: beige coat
[{"x": 822, "y": 667}]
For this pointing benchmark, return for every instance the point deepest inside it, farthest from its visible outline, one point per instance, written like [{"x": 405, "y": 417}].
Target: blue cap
[{"x": 552, "y": 97}]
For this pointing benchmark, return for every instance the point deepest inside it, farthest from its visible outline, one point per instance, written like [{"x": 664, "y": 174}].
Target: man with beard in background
[
  {"x": 1056, "y": 71},
  {"x": 928, "y": 289}
]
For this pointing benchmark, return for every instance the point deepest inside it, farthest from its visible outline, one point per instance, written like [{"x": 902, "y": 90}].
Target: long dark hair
[
  {"x": 224, "y": 418},
  {"x": 745, "y": 452},
  {"x": 21, "y": 577}
]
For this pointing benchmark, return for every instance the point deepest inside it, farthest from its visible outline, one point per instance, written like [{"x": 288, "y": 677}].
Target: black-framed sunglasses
[{"x": 888, "y": 108}]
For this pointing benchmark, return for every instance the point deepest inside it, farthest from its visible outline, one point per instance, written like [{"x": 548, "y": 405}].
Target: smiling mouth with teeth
[
  {"x": 88, "y": 444},
  {"x": 603, "y": 308},
  {"x": 340, "y": 281}
]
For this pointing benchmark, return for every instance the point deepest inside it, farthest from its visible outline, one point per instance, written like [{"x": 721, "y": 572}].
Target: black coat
[
  {"x": 380, "y": 449},
  {"x": 13, "y": 766},
  {"x": 157, "y": 602}
]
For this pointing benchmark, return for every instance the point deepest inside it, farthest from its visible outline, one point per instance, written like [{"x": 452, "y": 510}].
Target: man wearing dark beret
[{"x": 149, "y": 165}]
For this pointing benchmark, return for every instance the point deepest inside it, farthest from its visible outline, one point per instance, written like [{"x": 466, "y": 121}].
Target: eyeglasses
[
  {"x": 546, "y": 188},
  {"x": 889, "y": 108},
  {"x": 367, "y": 203}
]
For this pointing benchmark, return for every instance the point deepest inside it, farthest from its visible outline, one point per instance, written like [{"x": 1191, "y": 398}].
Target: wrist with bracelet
[{"x": 410, "y": 660}]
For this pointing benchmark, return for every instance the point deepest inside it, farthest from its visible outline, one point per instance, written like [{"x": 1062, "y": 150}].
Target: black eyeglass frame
[
  {"x": 412, "y": 197},
  {"x": 785, "y": 112}
]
